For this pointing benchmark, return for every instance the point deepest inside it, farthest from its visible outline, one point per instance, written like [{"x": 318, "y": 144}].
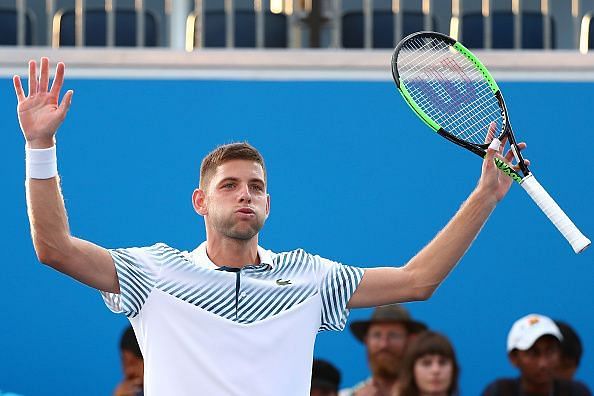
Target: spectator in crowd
[
  {"x": 571, "y": 351},
  {"x": 325, "y": 379},
  {"x": 385, "y": 337},
  {"x": 429, "y": 367},
  {"x": 534, "y": 348},
  {"x": 132, "y": 365}
]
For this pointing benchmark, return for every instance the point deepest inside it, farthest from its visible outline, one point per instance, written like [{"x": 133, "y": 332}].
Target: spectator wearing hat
[
  {"x": 325, "y": 379},
  {"x": 571, "y": 351},
  {"x": 534, "y": 348},
  {"x": 385, "y": 336}
]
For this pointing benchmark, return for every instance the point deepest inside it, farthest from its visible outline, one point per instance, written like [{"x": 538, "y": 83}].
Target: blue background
[{"x": 353, "y": 176}]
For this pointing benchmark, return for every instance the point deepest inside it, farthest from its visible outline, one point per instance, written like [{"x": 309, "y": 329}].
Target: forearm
[
  {"x": 47, "y": 216},
  {"x": 434, "y": 262}
]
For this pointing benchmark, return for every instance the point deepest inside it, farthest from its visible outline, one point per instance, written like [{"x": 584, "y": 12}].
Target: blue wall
[{"x": 353, "y": 176}]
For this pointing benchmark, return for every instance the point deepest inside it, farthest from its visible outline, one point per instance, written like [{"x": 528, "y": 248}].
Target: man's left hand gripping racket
[{"x": 456, "y": 96}]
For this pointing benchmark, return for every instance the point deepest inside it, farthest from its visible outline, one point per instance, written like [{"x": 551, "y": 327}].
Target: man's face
[
  {"x": 322, "y": 392},
  {"x": 132, "y": 366},
  {"x": 236, "y": 204},
  {"x": 386, "y": 343},
  {"x": 538, "y": 364}
]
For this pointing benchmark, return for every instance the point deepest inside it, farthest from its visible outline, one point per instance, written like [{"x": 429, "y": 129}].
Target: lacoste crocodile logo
[{"x": 281, "y": 282}]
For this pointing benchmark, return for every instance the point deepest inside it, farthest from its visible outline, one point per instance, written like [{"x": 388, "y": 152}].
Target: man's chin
[
  {"x": 387, "y": 368},
  {"x": 243, "y": 233}
]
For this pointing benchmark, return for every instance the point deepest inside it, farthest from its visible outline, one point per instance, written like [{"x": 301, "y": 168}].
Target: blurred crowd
[{"x": 407, "y": 358}]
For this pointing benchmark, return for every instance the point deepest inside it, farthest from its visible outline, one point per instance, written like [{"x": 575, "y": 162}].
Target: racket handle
[{"x": 576, "y": 239}]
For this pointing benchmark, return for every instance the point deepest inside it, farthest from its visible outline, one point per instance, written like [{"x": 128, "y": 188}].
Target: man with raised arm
[{"x": 230, "y": 317}]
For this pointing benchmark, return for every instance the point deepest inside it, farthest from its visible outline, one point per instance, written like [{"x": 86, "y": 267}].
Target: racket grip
[{"x": 578, "y": 241}]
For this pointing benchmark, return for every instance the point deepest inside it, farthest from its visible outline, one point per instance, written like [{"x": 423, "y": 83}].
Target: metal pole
[
  {"x": 398, "y": 17},
  {"x": 488, "y": 26},
  {"x": 337, "y": 24},
  {"x": 427, "y": 14},
  {"x": 139, "y": 8},
  {"x": 110, "y": 30},
  {"x": 199, "y": 26},
  {"x": 229, "y": 24},
  {"x": 516, "y": 7},
  {"x": 547, "y": 31},
  {"x": 50, "y": 10},
  {"x": 79, "y": 23},
  {"x": 178, "y": 11},
  {"x": 259, "y": 23},
  {"x": 368, "y": 24},
  {"x": 293, "y": 28},
  {"x": 21, "y": 7},
  {"x": 457, "y": 17},
  {"x": 575, "y": 13}
]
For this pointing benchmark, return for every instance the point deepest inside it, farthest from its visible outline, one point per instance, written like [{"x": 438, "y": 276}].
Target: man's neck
[
  {"x": 532, "y": 388},
  {"x": 232, "y": 252},
  {"x": 385, "y": 385}
]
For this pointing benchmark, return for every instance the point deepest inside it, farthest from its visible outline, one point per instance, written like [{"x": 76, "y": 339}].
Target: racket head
[{"x": 450, "y": 90}]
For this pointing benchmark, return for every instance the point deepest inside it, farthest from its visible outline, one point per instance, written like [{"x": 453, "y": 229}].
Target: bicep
[
  {"x": 88, "y": 263},
  {"x": 384, "y": 285}
]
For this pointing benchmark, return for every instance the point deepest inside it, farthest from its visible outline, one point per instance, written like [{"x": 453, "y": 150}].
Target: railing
[
  {"x": 585, "y": 33},
  {"x": 181, "y": 22}
]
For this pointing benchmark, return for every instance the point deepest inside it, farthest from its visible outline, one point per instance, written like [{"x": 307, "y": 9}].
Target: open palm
[{"x": 39, "y": 113}]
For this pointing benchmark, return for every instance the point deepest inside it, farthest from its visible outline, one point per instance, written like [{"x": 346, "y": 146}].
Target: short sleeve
[
  {"x": 137, "y": 270},
  {"x": 337, "y": 283}
]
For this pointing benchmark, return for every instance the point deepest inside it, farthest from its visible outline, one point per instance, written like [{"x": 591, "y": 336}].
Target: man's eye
[
  {"x": 258, "y": 187},
  {"x": 228, "y": 185}
]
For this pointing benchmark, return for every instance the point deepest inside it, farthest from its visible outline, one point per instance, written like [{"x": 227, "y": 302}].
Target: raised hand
[
  {"x": 39, "y": 113},
  {"x": 492, "y": 178}
]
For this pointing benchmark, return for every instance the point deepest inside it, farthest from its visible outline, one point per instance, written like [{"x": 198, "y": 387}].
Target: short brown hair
[
  {"x": 426, "y": 343},
  {"x": 228, "y": 152}
]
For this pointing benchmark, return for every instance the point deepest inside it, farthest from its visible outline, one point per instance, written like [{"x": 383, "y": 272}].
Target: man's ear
[
  {"x": 513, "y": 357},
  {"x": 199, "y": 202}
]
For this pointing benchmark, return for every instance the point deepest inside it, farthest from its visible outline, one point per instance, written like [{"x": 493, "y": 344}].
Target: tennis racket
[{"x": 456, "y": 96}]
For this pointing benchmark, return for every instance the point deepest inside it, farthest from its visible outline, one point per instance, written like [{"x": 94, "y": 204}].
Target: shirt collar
[{"x": 200, "y": 258}]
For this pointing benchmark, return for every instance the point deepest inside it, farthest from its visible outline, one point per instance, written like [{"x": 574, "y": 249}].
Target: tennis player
[{"x": 230, "y": 317}]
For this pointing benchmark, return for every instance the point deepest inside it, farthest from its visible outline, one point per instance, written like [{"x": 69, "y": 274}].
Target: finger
[
  {"x": 44, "y": 79},
  {"x": 32, "y": 78},
  {"x": 66, "y": 102},
  {"x": 516, "y": 167},
  {"x": 489, "y": 156},
  {"x": 510, "y": 154},
  {"x": 495, "y": 145},
  {"x": 490, "y": 132},
  {"x": 58, "y": 80},
  {"x": 18, "y": 88}
]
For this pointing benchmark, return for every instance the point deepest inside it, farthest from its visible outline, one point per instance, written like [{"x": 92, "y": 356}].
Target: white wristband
[{"x": 41, "y": 163}]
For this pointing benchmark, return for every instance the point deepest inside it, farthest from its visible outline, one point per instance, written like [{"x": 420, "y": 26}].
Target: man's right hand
[{"x": 39, "y": 114}]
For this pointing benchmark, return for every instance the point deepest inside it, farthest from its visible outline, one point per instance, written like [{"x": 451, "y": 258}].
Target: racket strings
[
  {"x": 465, "y": 122},
  {"x": 432, "y": 52},
  {"x": 449, "y": 89}
]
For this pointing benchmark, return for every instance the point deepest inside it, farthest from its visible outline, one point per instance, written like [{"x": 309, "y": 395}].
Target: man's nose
[
  {"x": 244, "y": 194},
  {"x": 544, "y": 361}
]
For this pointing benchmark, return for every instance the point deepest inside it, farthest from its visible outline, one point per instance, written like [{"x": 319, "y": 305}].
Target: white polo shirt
[{"x": 204, "y": 330}]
